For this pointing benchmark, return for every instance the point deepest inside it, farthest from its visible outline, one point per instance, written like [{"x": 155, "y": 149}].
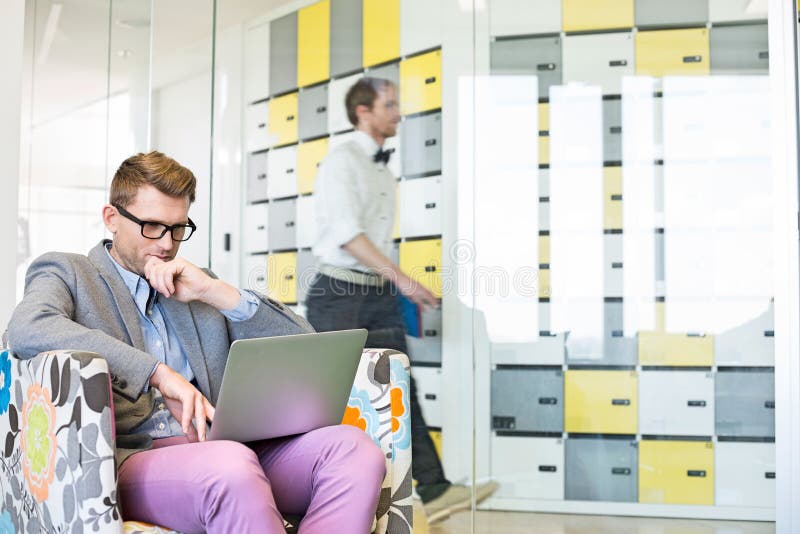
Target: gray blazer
[{"x": 77, "y": 302}]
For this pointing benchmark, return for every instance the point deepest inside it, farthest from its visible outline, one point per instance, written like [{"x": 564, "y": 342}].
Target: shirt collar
[
  {"x": 367, "y": 143},
  {"x": 137, "y": 285}
]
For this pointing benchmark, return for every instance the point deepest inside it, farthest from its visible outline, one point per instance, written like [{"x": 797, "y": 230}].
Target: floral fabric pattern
[
  {"x": 5, "y": 381},
  {"x": 38, "y": 441}
]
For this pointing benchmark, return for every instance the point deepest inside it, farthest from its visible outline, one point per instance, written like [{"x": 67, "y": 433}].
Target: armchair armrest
[{"x": 380, "y": 405}]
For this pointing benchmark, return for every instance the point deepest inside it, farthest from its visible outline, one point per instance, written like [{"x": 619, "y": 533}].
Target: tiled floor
[{"x": 519, "y": 523}]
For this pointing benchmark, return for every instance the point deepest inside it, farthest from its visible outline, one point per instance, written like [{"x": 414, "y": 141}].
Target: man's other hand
[{"x": 186, "y": 404}]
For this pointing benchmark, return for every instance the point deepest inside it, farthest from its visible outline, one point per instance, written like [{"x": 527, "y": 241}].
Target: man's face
[
  {"x": 385, "y": 113},
  {"x": 131, "y": 249}
]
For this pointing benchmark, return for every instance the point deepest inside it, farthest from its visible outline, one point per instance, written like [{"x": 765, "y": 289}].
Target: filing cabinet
[
  {"x": 524, "y": 17},
  {"x": 389, "y": 72},
  {"x": 544, "y": 249},
  {"x": 283, "y": 54},
  {"x": 751, "y": 343},
  {"x": 257, "y": 136},
  {"x": 676, "y": 403},
  {"x": 306, "y": 272},
  {"x": 282, "y": 172},
  {"x": 283, "y": 120},
  {"x": 676, "y": 472},
  {"x": 420, "y": 207},
  {"x": 309, "y": 156},
  {"x": 421, "y": 83},
  {"x": 544, "y": 216},
  {"x": 313, "y": 43},
  {"x": 612, "y": 190},
  {"x": 392, "y": 145},
  {"x": 683, "y": 350},
  {"x": 527, "y": 400},
  {"x": 527, "y": 467},
  {"x": 544, "y": 117},
  {"x": 544, "y": 184},
  {"x": 381, "y": 31},
  {"x": 544, "y": 150},
  {"x": 420, "y": 25},
  {"x": 346, "y": 37},
  {"x": 740, "y": 49},
  {"x": 548, "y": 349},
  {"x": 735, "y": 10},
  {"x": 585, "y": 15},
  {"x": 745, "y": 474},
  {"x": 429, "y": 386},
  {"x": 530, "y": 56},
  {"x": 282, "y": 277},
  {"x": 313, "y": 104},
  {"x": 673, "y": 13},
  {"x": 422, "y": 144},
  {"x": 257, "y": 177},
  {"x": 422, "y": 261},
  {"x": 337, "y": 112},
  {"x": 601, "y": 59},
  {"x": 612, "y": 267},
  {"x": 660, "y": 265},
  {"x": 306, "y": 222},
  {"x": 601, "y": 470},
  {"x": 612, "y": 130},
  {"x": 255, "y": 273},
  {"x": 256, "y": 238},
  {"x": 545, "y": 291},
  {"x": 617, "y": 348},
  {"x": 282, "y": 224},
  {"x": 745, "y": 403},
  {"x": 427, "y": 348},
  {"x": 672, "y": 52},
  {"x": 600, "y": 402},
  {"x": 256, "y": 72}
]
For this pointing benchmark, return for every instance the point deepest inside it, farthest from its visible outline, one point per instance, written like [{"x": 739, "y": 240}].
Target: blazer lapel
[{"x": 180, "y": 317}]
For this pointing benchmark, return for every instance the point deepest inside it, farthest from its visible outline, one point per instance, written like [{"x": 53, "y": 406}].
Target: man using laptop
[{"x": 165, "y": 326}]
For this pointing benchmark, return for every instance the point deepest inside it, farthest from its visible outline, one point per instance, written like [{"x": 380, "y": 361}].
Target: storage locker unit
[
  {"x": 282, "y": 277},
  {"x": 337, "y": 112},
  {"x": 421, "y": 83},
  {"x": 745, "y": 403},
  {"x": 309, "y": 156},
  {"x": 346, "y": 36},
  {"x": 745, "y": 474},
  {"x": 539, "y": 56},
  {"x": 740, "y": 49},
  {"x": 601, "y": 470},
  {"x": 282, "y": 224},
  {"x": 421, "y": 25},
  {"x": 672, "y": 52},
  {"x": 736, "y": 10},
  {"x": 257, "y": 177},
  {"x": 256, "y": 238},
  {"x": 424, "y": 350},
  {"x": 673, "y": 13},
  {"x": 682, "y": 350},
  {"x": 420, "y": 207},
  {"x": 544, "y": 249},
  {"x": 528, "y": 467},
  {"x": 676, "y": 403},
  {"x": 429, "y": 387},
  {"x": 306, "y": 272},
  {"x": 283, "y": 54},
  {"x": 548, "y": 349},
  {"x": 527, "y": 400},
  {"x": 313, "y": 106},
  {"x": 524, "y": 17},
  {"x": 676, "y": 472},
  {"x": 617, "y": 348},
  {"x": 601, "y": 59},
  {"x": 254, "y": 65},
  {"x": 600, "y": 402},
  {"x": 585, "y": 15},
  {"x": 612, "y": 193},
  {"x": 544, "y": 117},
  {"x": 257, "y": 136},
  {"x": 283, "y": 120},
  {"x": 422, "y": 262},
  {"x": 392, "y": 145},
  {"x": 422, "y": 144},
  {"x": 282, "y": 172},
  {"x": 612, "y": 130},
  {"x": 389, "y": 72},
  {"x": 751, "y": 343},
  {"x": 612, "y": 265},
  {"x": 306, "y": 222},
  {"x": 313, "y": 43},
  {"x": 544, "y": 150},
  {"x": 544, "y": 283},
  {"x": 381, "y": 30},
  {"x": 544, "y": 216},
  {"x": 254, "y": 272}
]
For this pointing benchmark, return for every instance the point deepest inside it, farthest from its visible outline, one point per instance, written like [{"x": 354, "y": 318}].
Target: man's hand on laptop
[
  {"x": 186, "y": 404},
  {"x": 186, "y": 282}
]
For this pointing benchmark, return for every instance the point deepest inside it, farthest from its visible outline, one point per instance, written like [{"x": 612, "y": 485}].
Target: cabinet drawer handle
[
  {"x": 770, "y": 475},
  {"x": 548, "y": 401},
  {"x": 289, "y": 277},
  {"x": 616, "y": 265},
  {"x": 289, "y": 171},
  {"x": 615, "y": 129},
  {"x": 692, "y": 59},
  {"x": 617, "y": 333},
  {"x": 262, "y": 176},
  {"x": 260, "y": 227},
  {"x": 289, "y": 224},
  {"x": 548, "y": 468},
  {"x": 770, "y": 405},
  {"x": 696, "y": 473},
  {"x": 289, "y": 118},
  {"x": 616, "y": 197},
  {"x": 430, "y": 268},
  {"x": 769, "y": 333},
  {"x": 262, "y": 124},
  {"x": 430, "y": 80},
  {"x": 763, "y": 55},
  {"x": 620, "y": 402},
  {"x": 430, "y": 205},
  {"x": 430, "y": 396},
  {"x": 259, "y": 279},
  {"x": 322, "y": 109},
  {"x": 618, "y": 63},
  {"x": 430, "y": 142},
  {"x": 695, "y": 334},
  {"x": 696, "y": 404},
  {"x": 430, "y": 333},
  {"x": 625, "y": 471},
  {"x": 546, "y": 66}
]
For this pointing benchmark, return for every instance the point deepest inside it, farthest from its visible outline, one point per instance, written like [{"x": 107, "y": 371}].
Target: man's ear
[
  {"x": 361, "y": 111},
  {"x": 110, "y": 218}
]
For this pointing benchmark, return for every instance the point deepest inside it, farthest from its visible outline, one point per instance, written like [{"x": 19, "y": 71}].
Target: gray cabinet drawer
[
  {"x": 282, "y": 225},
  {"x": 313, "y": 112},
  {"x": 283, "y": 54},
  {"x": 528, "y": 400},
  {"x": 601, "y": 470},
  {"x": 422, "y": 144}
]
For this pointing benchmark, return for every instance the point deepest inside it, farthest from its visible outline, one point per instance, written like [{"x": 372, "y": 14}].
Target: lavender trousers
[{"x": 332, "y": 476}]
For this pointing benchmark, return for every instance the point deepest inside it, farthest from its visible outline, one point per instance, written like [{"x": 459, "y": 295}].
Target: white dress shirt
[{"x": 353, "y": 195}]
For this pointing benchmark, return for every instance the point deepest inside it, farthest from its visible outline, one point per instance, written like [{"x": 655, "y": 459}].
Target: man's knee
[
  {"x": 234, "y": 471},
  {"x": 365, "y": 453}
]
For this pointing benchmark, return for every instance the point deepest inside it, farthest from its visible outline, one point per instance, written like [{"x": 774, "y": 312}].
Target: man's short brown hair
[
  {"x": 153, "y": 168},
  {"x": 363, "y": 93}
]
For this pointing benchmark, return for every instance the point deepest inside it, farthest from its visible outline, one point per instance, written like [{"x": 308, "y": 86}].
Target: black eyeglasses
[{"x": 156, "y": 230}]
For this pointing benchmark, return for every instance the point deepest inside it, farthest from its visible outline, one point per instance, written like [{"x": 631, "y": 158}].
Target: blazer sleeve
[{"x": 271, "y": 319}]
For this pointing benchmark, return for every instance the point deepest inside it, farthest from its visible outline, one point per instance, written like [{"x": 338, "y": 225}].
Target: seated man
[{"x": 165, "y": 326}]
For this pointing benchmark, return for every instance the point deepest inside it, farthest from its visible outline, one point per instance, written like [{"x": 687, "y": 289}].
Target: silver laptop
[{"x": 284, "y": 385}]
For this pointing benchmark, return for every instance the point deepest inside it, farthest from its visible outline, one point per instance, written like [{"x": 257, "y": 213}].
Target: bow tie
[{"x": 382, "y": 156}]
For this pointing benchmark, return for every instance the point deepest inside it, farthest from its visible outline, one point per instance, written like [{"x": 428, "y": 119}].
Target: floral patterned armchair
[{"x": 57, "y": 434}]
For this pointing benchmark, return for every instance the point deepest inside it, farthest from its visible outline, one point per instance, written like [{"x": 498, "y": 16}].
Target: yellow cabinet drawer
[
  {"x": 672, "y": 52},
  {"x": 676, "y": 472},
  {"x": 544, "y": 249},
  {"x": 601, "y": 402},
  {"x": 684, "y": 350},
  {"x": 283, "y": 120},
  {"x": 544, "y": 117},
  {"x": 582, "y": 15},
  {"x": 421, "y": 83},
  {"x": 612, "y": 195},
  {"x": 313, "y": 43},
  {"x": 282, "y": 277},
  {"x": 422, "y": 261},
  {"x": 309, "y": 156},
  {"x": 381, "y": 30},
  {"x": 544, "y": 283},
  {"x": 544, "y": 150},
  {"x": 436, "y": 437}
]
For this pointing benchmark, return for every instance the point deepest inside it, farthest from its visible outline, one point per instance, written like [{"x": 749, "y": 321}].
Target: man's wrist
[{"x": 221, "y": 295}]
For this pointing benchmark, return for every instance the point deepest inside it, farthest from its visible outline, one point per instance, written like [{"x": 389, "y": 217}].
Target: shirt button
[
  {"x": 161, "y": 426},
  {"x": 149, "y": 312},
  {"x": 158, "y": 343},
  {"x": 161, "y": 406}
]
